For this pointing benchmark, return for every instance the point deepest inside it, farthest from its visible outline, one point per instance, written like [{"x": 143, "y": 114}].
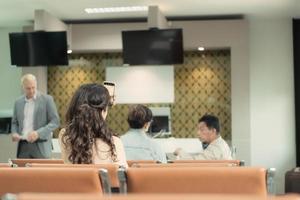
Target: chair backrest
[
  {"x": 35, "y": 196},
  {"x": 54, "y": 196},
  {"x": 131, "y": 162},
  {"x": 63, "y": 180},
  {"x": 5, "y": 165},
  {"x": 145, "y": 165},
  {"x": 217, "y": 180},
  {"x": 23, "y": 162},
  {"x": 110, "y": 167},
  {"x": 236, "y": 162}
]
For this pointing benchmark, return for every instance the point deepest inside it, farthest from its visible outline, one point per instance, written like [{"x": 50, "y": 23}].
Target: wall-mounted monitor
[
  {"x": 5, "y": 125},
  {"x": 38, "y": 48},
  {"x": 159, "y": 124},
  {"x": 153, "y": 47}
]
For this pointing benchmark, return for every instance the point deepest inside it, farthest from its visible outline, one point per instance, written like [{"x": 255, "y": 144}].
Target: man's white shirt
[
  {"x": 28, "y": 117},
  {"x": 216, "y": 150}
]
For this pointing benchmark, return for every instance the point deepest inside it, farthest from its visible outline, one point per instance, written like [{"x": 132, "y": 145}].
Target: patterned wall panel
[{"x": 202, "y": 85}]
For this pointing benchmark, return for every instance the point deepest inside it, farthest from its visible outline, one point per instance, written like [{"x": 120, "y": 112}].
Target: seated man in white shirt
[{"x": 209, "y": 133}]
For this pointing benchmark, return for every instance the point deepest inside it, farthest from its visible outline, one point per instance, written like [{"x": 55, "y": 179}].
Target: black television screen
[
  {"x": 153, "y": 47},
  {"x": 38, "y": 48},
  {"x": 159, "y": 124},
  {"x": 5, "y": 125}
]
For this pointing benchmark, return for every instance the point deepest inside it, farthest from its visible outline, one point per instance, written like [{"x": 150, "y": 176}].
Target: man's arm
[
  {"x": 207, "y": 154},
  {"x": 160, "y": 154},
  {"x": 182, "y": 155},
  {"x": 15, "y": 126},
  {"x": 14, "y": 121},
  {"x": 53, "y": 123}
]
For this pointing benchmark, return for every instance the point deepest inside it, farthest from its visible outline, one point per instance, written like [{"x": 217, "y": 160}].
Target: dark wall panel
[{"x": 296, "y": 41}]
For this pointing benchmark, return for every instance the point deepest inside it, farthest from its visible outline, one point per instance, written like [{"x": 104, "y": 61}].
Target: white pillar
[{"x": 156, "y": 19}]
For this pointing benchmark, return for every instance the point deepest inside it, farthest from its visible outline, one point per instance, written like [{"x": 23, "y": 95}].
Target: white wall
[
  {"x": 132, "y": 81},
  {"x": 100, "y": 37},
  {"x": 10, "y": 87},
  {"x": 272, "y": 96}
]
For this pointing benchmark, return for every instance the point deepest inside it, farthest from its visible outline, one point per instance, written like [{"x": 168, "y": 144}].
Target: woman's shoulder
[{"x": 117, "y": 140}]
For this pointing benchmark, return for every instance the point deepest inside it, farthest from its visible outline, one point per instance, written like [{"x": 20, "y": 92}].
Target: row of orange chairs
[
  {"x": 140, "y": 178},
  {"x": 51, "y": 196},
  {"x": 74, "y": 178},
  {"x": 23, "y": 162},
  {"x": 112, "y": 169}
]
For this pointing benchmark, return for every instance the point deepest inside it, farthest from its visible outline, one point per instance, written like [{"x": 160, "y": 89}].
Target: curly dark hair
[{"x": 84, "y": 123}]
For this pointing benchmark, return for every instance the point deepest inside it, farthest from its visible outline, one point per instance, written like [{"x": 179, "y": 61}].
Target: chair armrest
[
  {"x": 122, "y": 180},
  {"x": 105, "y": 181},
  {"x": 270, "y": 181}
]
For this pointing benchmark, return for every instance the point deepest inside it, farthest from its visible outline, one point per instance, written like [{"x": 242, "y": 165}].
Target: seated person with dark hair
[
  {"x": 138, "y": 145},
  {"x": 209, "y": 133}
]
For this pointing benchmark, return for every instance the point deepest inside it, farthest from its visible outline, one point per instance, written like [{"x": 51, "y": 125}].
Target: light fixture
[
  {"x": 201, "y": 48},
  {"x": 116, "y": 9},
  {"x": 69, "y": 51}
]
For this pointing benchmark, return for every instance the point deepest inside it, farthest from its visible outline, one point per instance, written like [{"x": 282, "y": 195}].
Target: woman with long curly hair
[{"x": 86, "y": 139}]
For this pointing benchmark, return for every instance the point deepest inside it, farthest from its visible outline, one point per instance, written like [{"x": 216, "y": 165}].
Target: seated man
[
  {"x": 138, "y": 146},
  {"x": 209, "y": 133}
]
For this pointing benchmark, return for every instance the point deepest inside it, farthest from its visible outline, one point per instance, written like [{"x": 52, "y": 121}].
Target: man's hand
[
  {"x": 177, "y": 151},
  {"x": 112, "y": 100},
  {"x": 15, "y": 137},
  {"x": 32, "y": 137}
]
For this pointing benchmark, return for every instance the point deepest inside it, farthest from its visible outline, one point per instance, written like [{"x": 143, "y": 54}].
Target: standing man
[
  {"x": 209, "y": 133},
  {"x": 34, "y": 118}
]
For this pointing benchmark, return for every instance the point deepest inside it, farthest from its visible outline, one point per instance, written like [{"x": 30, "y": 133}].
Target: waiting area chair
[
  {"x": 23, "y": 162},
  {"x": 5, "y": 165},
  {"x": 167, "y": 165},
  {"x": 132, "y": 162},
  {"x": 216, "y": 180},
  {"x": 51, "y": 196},
  {"x": 63, "y": 180},
  {"x": 235, "y": 162},
  {"x": 109, "y": 177}
]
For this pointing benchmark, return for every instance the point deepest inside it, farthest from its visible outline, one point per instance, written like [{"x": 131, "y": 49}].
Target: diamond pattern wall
[{"x": 202, "y": 85}]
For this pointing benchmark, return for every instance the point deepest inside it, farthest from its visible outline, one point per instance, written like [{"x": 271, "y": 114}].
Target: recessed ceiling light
[
  {"x": 201, "y": 48},
  {"x": 116, "y": 9},
  {"x": 69, "y": 51}
]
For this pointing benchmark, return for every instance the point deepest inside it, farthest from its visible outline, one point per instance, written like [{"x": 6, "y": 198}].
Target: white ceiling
[{"x": 20, "y": 12}]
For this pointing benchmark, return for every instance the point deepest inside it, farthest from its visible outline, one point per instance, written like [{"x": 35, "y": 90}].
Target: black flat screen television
[
  {"x": 38, "y": 48},
  {"x": 5, "y": 125},
  {"x": 159, "y": 124},
  {"x": 153, "y": 47}
]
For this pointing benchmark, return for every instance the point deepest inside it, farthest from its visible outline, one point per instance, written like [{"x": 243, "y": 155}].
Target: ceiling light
[
  {"x": 69, "y": 51},
  {"x": 116, "y": 9},
  {"x": 201, "y": 48}
]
